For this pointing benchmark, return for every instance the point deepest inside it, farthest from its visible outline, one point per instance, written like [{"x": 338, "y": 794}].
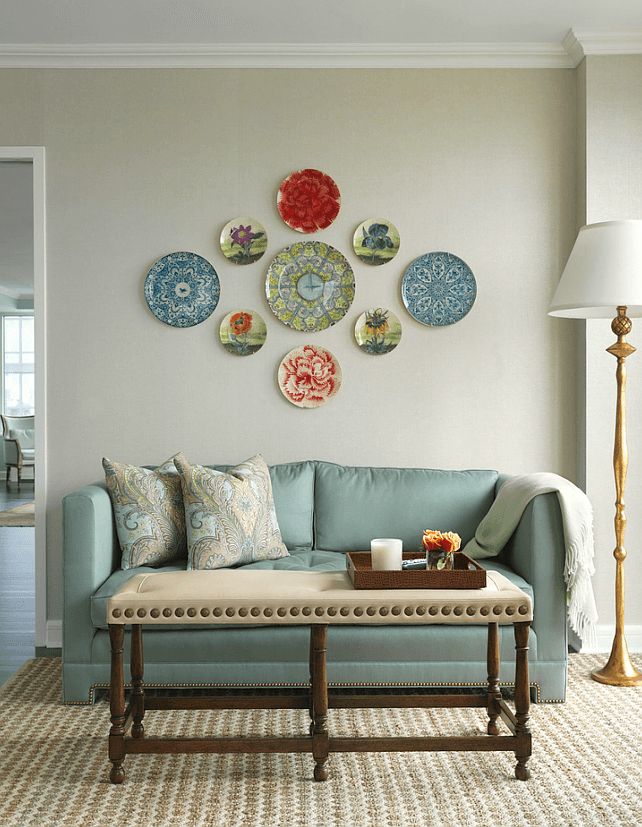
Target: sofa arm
[
  {"x": 536, "y": 552},
  {"x": 90, "y": 555}
]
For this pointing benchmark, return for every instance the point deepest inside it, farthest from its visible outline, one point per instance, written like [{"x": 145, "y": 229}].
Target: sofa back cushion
[
  {"x": 354, "y": 505},
  {"x": 293, "y": 492}
]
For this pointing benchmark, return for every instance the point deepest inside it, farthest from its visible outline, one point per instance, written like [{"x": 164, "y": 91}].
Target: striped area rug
[{"x": 586, "y": 766}]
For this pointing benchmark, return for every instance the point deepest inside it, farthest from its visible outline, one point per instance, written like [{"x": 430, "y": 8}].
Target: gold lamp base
[{"x": 619, "y": 670}]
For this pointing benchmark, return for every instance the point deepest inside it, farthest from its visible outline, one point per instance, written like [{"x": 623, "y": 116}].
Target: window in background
[{"x": 18, "y": 380}]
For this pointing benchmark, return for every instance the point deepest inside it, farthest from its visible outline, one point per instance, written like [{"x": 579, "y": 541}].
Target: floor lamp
[{"x": 602, "y": 278}]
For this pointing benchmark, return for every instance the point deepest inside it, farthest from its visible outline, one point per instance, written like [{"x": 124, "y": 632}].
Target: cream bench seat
[{"x": 318, "y": 600}]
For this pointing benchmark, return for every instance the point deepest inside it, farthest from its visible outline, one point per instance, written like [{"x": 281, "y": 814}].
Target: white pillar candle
[{"x": 386, "y": 554}]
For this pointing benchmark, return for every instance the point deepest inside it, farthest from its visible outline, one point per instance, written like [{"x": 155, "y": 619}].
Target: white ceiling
[
  {"x": 16, "y": 229},
  {"x": 310, "y": 21}
]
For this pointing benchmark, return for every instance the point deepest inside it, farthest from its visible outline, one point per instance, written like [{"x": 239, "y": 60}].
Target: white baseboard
[
  {"x": 605, "y": 633},
  {"x": 54, "y": 634}
]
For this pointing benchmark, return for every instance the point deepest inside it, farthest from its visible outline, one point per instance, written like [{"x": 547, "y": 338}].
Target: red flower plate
[
  {"x": 309, "y": 376},
  {"x": 308, "y": 200}
]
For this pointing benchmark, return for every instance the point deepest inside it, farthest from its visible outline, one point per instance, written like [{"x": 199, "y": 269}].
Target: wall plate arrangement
[
  {"x": 377, "y": 331},
  {"x": 243, "y": 240},
  {"x": 438, "y": 289},
  {"x": 376, "y": 241},
  {"x": 182, "y": 289},
  {"x": 243, "y": 332},
  {"x": 310, "y": 286},
  {"x": 308, "y": 200},
  {"x": 309, "y": 376}
]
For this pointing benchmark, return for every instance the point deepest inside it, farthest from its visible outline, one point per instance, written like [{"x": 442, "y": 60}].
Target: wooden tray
[{"x": 461, "y": 577}]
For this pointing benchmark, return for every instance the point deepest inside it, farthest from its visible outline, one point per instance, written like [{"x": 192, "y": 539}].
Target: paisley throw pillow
[
  {"x": 148, "y": 507},
  {"x": 230, "y": 518}
]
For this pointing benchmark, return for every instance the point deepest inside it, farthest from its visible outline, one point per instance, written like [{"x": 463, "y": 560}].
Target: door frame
[{"x": 36, "y": 154}]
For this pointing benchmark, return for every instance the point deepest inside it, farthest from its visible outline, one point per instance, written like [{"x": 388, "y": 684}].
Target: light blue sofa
[{"x": 325, "y": 510}]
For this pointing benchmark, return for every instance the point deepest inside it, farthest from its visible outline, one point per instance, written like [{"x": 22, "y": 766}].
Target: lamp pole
[{"x": 619, "y": 670}]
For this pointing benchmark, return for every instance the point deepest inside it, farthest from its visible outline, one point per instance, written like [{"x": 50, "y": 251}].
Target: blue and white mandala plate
[
  {"x": 182, "y": 289},
  {"x": 438, "y": 289}
]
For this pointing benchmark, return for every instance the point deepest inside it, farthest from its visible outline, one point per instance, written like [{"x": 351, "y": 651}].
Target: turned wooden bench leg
[
  {"x": 138, "y": 693},
  {"x": 522, "y": 701},
  {"x": 494, "y": 692},
  {"x": 117, "y": 705},
  {"x": 311, "y": 698},
  {"x": 320, "y": 738}
]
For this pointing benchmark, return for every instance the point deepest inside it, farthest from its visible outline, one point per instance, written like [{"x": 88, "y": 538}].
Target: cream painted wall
[
  {"x": 142, "y": 163},
  {"x": 613, "y": 191}
]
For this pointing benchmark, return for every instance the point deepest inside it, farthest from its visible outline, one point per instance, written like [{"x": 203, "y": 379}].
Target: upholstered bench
[{"x": 318, "y": 600}]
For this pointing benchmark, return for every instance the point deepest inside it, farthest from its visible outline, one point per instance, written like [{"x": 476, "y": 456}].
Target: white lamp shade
[{"x": 603, "y": 272}]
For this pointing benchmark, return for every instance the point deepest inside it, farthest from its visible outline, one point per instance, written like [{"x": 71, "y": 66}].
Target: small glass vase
[{"x": 439, "y": 560}]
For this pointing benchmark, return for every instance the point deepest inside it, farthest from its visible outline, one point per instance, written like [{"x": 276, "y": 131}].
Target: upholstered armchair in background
[{"x": 19, "y": 446}]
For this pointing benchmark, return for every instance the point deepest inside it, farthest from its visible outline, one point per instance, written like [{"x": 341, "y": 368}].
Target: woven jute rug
[
  {"x": 586, "y": 766},
  {"x": 22, "y": 516}
]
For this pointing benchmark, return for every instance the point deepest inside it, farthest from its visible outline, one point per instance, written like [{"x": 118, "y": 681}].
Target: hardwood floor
[{"x": 17, "y": 586}]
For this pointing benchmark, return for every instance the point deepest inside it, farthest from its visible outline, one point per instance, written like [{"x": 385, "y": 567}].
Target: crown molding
[
  {"x": 580, "y": 44},
  {"x": 285, "y": 56}
]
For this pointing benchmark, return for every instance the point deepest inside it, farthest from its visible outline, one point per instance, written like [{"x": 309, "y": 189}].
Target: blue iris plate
[
  {"x": 438, "y": 289},
  {"x": 182, "y": 289}
]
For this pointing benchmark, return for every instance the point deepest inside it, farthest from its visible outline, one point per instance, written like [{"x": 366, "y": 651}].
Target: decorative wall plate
[
  {"x": 243, "y": 240},
  {"x": 377, "y": 331},
  {"x": 309, "y": 376},
  {"x": 308, "y": 200},
  {"x": 438, "y": 289},
  {"x": 243, "y": 332},
  {"x": 376, "y": 241},
  {"x": 309, "y": 286},
  {"x": 182, "y": 289}
]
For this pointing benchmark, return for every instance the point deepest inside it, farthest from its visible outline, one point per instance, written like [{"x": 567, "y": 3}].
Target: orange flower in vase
[{"x": 440, "y": 547}]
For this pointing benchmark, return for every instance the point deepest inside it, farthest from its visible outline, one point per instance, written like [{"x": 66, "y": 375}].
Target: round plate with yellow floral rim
[
  {"x": 377, "y": 331},
  {"x": 309, "y": 286},
  {"x": 243, "y": 332}
]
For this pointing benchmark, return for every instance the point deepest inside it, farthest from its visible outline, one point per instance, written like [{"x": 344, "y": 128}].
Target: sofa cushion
[
  {"x": 299, "y": 560},
  {"x": 293, "y": 491},
  {"x": 229, "y": 517},
  {"x": 354, "y": 505},
  {"x": 148, "y": 511}
]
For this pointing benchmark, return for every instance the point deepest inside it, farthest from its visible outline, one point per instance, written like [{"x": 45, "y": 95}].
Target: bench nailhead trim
[
  {"x": 523, "y": 610},
  {"x": 510, "y": 610},
  {"x": 318, "y": 611},
  {"x": 129, "y": 612},
  {"x": 179, "y": 612},
  {"x": 242, "y": 612},
  {"x": 155, "y": 613},
  {"x": 344, "y": 611},
  {"x": 371, "y": 611},
  {"x": 408, "y": 611},
  {"x": 307, "y": 611},
  {"x": 470, "y": 611},
  {"x": 396, "y": 610},
  {"x": 331, "y": 610},
  {"x": 421, "y": 610},
  {"x": 446, "y": 610},
  {"x": 484, "y": 610},
  {"x": 268, "y": 612},
  {"x": 191, "y": 612},
  {"x": 358, "y": 611},
  {"x": 217, "y": 611},
  {"x": 205, "y": 612},
  {"x": 458, "y": 610},
  {"x": 167, "y": 612},
  {"x": 433, "y": 610},
  {"x": 383, "y": 611},
  {"x": 255, "y": 611},
  {"x": 230, "y": 612},
  {"x": 116, "y": 613},
  {"x": 281, "y": 612},
  {"x": 142, "y": 613}
]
